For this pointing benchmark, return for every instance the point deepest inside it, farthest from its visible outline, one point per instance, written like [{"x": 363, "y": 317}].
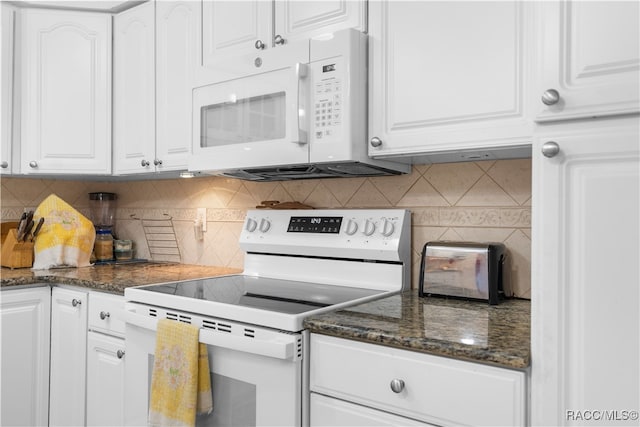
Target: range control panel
[{"x": 349, "y": 233}]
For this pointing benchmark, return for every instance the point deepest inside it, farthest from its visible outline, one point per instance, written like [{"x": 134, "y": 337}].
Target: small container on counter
[
  {"x": 123, "y": 249},
  {"x": 103, "y": 247}
]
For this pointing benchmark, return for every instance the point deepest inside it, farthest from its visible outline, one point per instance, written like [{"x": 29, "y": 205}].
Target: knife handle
[
  {"x": 21, "y": 225},
  {"x": 37, "y": 229},
  {"x": 27, "y": 229}
]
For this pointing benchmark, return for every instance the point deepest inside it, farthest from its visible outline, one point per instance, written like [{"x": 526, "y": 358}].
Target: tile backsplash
[{"x": 476, "y": 201}]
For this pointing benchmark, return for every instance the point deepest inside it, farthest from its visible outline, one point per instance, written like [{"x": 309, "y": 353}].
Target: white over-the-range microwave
[{"x": 301, "y": 113}]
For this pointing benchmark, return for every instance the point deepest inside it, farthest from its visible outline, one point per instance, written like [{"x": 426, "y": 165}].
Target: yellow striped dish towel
[{"x": 180, "y": 383}]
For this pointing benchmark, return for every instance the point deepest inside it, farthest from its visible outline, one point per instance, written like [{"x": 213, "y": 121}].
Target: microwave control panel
[{"x": 327, "y": 113}]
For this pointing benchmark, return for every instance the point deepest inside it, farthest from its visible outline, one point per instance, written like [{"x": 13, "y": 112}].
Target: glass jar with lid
[{"x": 103, "y": 247}]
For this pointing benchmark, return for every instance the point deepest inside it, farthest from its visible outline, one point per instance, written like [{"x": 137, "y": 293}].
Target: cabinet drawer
[
  {"x": 435, "y": 389},
  {"x": 329, "y": 412},
  {"x": 106, "y": 314}
]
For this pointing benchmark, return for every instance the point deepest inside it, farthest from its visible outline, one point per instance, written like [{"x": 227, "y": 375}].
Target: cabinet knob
[
  {"x": 144, "y": 163},
  {"x": 157, "y": 162},
  {"x": 4, "y": 165},
  {"x": 550, "y": 97},
  {"x": 376, "y": 142},
  {"x": 76, "y": 302},
  {"x": 397, "y": 385},
  {"x": 33, "y": 164},
  {"x": 120, "y": 354},
  {"x": 279, "y": 40},
  {"x": 259, "y": 45},
  {"x": 550, "y": 149},
  {"x": 104, "y": 314}
]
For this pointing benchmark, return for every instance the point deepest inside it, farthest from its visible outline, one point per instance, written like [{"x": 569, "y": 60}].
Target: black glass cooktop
[{"x": 284, "y": 296}]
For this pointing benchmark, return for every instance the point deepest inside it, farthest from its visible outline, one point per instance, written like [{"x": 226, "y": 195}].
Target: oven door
[
  {"x": 256, "y": 373},
  {"x": 254, "y": 121}
]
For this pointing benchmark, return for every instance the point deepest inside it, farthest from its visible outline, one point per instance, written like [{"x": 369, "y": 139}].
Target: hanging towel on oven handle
[{"x": 180, "y": 383}]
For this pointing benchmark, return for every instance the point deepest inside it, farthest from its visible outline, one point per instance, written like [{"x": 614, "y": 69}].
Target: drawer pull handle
[
  {"x": 76, "y": 302},
  {"x": 104, "y": 315},
  {"x": 397, "y": 385},
  {"x": 120, "y": 354}
]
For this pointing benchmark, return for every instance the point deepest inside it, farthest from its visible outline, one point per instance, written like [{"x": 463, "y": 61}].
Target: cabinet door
[
  {"x": 24, "y": 377},
  {"x": 296, "y": 20},
  {"x": 105, "y": 380},
  {"x": 6, "y": 87},
  {"x": 585, "y": 278},
  {"x": 448, "y": 76},
  {"x": 66, "y": 92},
  {"x": 177, "y": 47},
  {"x": 589, "y": 52},
  {"x": 233, "y": 34},
  {"x": 134, "y": 138},
  {"x": 68, "y": 357}
]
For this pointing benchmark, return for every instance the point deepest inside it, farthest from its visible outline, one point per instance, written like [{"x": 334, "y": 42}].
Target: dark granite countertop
[
  {"x": 112, "y": 278},
  {"x": 467, "y": 330}
]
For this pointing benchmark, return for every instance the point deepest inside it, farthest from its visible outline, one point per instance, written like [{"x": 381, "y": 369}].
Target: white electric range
[{"x": 297, "y": 263}]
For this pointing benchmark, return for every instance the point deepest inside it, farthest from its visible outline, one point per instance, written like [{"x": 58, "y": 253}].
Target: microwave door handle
[
  {"x": 301, "y": 74},
  {"x": 279, "y": 348}
]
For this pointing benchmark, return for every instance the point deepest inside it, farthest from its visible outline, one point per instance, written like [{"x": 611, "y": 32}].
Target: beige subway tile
[
  {"x": 368, "y": 196},
  {"x": 514, "y": 177},
  {"x": 422, "y": 194},
  {"x": 486, "y": 192},
  {"x": 453, "y": 180},
  {"x": 344, "y": 189},
  {"x": 395, "y": 187}
]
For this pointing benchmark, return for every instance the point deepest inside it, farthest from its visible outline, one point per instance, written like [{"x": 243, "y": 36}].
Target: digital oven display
[{"x": 315, "y": 224}]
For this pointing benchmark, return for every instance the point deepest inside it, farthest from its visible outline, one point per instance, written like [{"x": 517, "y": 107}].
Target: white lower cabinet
[
  {"x": 62, "y": 357},
  {"x": 349, "y": 378},
  {"x": 105, "y": 380},
  {"x": 585, "y": 324},
  {"x": 68, "y": 357},
  {"x": 327, "y": 411},
  {"x": 105, "y": 360},
  {"x": 24, "y": 378}
]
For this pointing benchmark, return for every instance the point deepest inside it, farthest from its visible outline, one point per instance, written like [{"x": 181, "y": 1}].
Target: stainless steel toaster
[{"x": 464, "y": 270}]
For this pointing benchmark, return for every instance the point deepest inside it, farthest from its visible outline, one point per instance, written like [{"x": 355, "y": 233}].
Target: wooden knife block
[{"x": 16, "y": 254}]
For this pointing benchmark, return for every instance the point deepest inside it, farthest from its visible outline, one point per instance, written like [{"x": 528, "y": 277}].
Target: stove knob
[
  {"x": 352, "y": 227},
  {"x": 388, "y": 227},
  {"x": 369, "y": 227},
  {"x": 251, "y": 225},
  {"x": 265, "y": 225}
]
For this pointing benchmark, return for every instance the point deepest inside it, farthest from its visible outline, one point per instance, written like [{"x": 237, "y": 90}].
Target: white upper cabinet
[
  {"x": 65, "y": 92},
  {"x": 588, "y": 59},
  {"x": 299, "y": 20},
  {"x": 232, "y": 28},
  {"x": 448, "y": 76},
  {"x": 134, "y": 127},
  {"x": 235, "y": 33},
  {"x": 177, "y": 55},
  {"x": 6, "y": 88},
  {"x": 155, "y": 50}
]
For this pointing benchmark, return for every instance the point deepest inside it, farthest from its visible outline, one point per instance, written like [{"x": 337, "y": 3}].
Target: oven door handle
[{"x": 282, "y": 347}]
